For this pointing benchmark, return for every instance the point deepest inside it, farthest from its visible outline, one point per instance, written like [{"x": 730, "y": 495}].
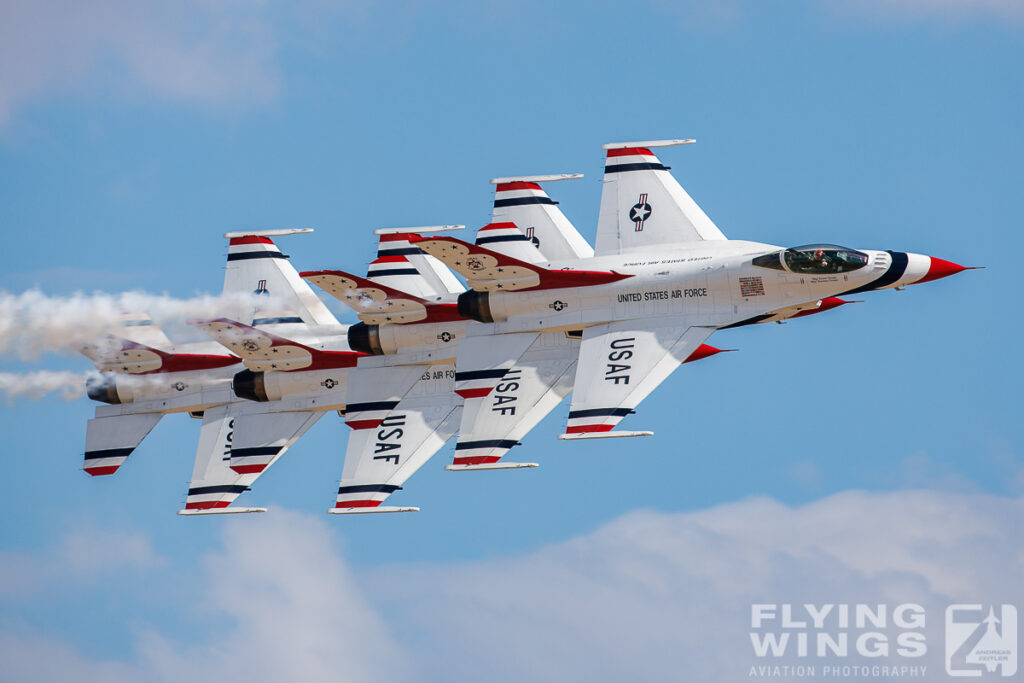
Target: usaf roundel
[{"x": 640, "y": 212}]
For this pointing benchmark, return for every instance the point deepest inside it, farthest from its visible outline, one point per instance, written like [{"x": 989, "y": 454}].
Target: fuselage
[{"x": 712, "y": 284}]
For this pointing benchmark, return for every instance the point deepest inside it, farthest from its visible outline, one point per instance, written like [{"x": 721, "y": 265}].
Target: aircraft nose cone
[{"x": 940, "y": 269}]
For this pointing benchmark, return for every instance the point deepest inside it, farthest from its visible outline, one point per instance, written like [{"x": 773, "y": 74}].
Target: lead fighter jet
[{"x": 662, "y": 280}]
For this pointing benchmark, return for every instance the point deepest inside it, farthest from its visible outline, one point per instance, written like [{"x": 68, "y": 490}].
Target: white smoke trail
[
  {"x": 32, "y": 323},
  {"x": 36, "y": 385}
]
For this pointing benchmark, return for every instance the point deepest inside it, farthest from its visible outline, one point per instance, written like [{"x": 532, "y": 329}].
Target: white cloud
[
  {"x": 87, "y": 556},
  {"x": 298, "y": 614},
  {"x": 651, "y": 596},
  {"x": 667, "y": 597},
  {"x": 209, "y": 53}
]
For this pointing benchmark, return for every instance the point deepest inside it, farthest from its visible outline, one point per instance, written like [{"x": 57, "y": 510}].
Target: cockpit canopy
[{"x": 815, "y": 259}]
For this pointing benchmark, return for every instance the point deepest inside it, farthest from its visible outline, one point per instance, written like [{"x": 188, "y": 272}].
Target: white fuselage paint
[{"x": 712, "y": 283}]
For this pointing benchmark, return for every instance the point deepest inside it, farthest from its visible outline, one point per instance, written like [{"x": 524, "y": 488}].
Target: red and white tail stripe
[
  {"x": 477, "y": 383},
  {"x": 519, "y": 192},
  {"x": 396, "y": 244},
  {"x": 632, "y": 159},
  {"x": 211, "y": 497},
  {"x": 363, "y": 495},
  {"x": 368, "y": 415},
  {"x": 106, "y": 462},
  {"x": 482, "y": 452},
  {"x": 600, "y": 420},
  {"x": 252, "y": 246},
  {"x": 253, "y": 460}
]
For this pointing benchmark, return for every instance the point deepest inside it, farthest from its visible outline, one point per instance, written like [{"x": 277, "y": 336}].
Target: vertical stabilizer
[
  {"x": 643, "y": 206},
  {"x": 521, "y": 200},
  {"x": 405, "y": 267},
  {"x": 256, "y": 265}
]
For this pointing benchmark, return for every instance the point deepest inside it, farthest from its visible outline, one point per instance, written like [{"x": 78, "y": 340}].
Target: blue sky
[{"x": 133, "y": 135}]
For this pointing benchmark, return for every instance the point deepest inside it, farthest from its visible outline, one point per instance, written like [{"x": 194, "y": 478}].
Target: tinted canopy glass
[{"x": 824, "y": 258}]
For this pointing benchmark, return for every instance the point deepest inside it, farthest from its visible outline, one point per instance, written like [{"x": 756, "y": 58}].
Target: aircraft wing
[
  {"x": 109, "y": 440},
  {"x": 400, "y": 417},
  {"x": 643, "y": 206},
  {"x": 487, "y": 270},
  {"x": 378, "y": 304},
  {"x": 509, "y": 383},
  {"x": 620, "y": 364},
  {"x": 262, "y": 351},
  {"x": 236, "y": 445}
]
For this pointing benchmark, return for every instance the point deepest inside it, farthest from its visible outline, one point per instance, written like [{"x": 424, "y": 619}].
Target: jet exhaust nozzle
[
  {"x": 250, "y": 385},
  {"x": 476, "y": 306},
  {"x": 365, "y": 339},
  {"x": 103, "y": 389}
]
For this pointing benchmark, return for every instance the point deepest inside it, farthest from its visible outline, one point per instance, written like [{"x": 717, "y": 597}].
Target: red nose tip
[{"x": 940, "y": 269}]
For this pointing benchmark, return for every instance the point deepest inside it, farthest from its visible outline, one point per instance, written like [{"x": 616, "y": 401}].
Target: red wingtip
[
  {"x": 704, "y": 351},
  {"x": 940, "y": 269}
]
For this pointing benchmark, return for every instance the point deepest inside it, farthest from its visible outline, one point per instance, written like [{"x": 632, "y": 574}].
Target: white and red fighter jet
[{"x": 662, "y": 280}]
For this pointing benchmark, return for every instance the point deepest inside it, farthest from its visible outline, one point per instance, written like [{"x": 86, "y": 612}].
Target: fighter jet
[
  {"x": 400, "y": 412},
  {"x": 662, "y": 280},
  {"x": 146, "y": 377},
  {"x": 408, "y": 330}
]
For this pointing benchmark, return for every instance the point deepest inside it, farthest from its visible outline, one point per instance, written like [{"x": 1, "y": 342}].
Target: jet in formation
[{"x": 538, "y": 314}]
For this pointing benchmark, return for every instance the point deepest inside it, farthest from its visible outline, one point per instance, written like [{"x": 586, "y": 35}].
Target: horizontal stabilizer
[
  {"x": 116, "y": 354},
  {"x": 366, "y": 511},
  {"x": 141, "y": 329},
  {"x": 487, "y": 270},
  {"x": 263, "y": 351},
  {"x": 378, "y": 304},
  {"x": 491, "y": 466},
  {"x": 616, "y": 434},
  {"x": 220, "y": 511}
]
